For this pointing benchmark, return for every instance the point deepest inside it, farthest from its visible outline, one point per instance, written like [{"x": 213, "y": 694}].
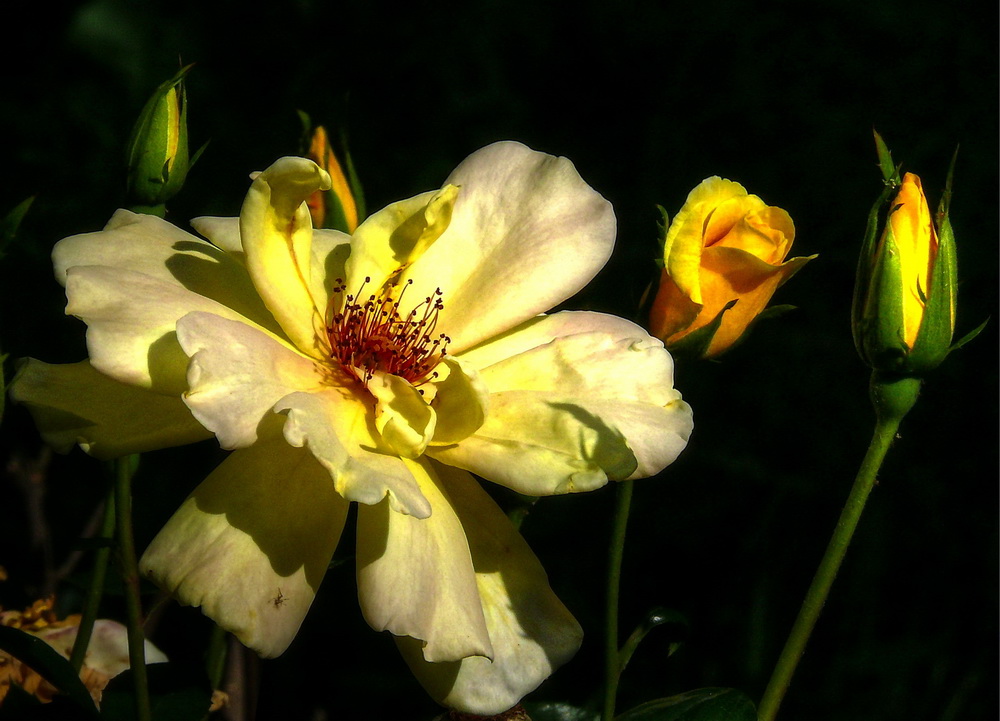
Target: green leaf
[
  {"x": 704, "y": 704},
  {"x": 550, "y": 711},
  {"x": 3, "y": 384},
  {"x": 656, "y": 617},
  {"x": 18, "y": 705},
  {"x": 175, "y": 694},
  {"x": 44, "y": 659},
  {"x": 12, "y": 221}
]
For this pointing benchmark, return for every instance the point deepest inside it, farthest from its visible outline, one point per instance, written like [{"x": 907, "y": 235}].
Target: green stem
[
  {"x": 130, "y": 576},
  {"x": 160, "y": 211},
  {"x": 612, "y": 657},
  {"x": 892, "y": 398},
  {"x": 521, "y": 511},
  {"x": 215, "y": 659},
  {"x": 96, "y": 589}
]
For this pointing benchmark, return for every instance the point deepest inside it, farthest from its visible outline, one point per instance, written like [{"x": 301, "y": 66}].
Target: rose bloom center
[{"x": 371, "y": 334}]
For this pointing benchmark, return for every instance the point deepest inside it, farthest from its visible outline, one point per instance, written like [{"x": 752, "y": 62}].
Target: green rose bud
[{"x": 158, "y": 149}]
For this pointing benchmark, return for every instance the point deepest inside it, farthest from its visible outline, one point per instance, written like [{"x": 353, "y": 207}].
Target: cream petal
[
  {"x": 237, "y": 373},
  {"x": 252, "y": 543},
  {"x": 73, "y": 403},
  {"x": 416, "y": 578},
  {"x": 107, "y": 651},
  {"x": 223, "y": 233},
  {"x": 339, "y": 428},
  {"x": 543, "y": 329},
  {"x": 526, "y": 233},
  {"x": 624, "y": 364},
  {"x": 402, "y": 416},
  {"x": 330, "y": 249},
  {"x": 655, "y": 434},
  {"x": 151, "y": 246},
  {"x": 461, "y": 401},
  {"x": 131, "y": 319},
  {"x": 531, "y": 631},
  {"x": 108, "y": 648},
  {"x": 542, "y": 444},
  {"x": 395, "y": 236},
  {"x": 576, "y": 399},
  {"x": 276, "y": 234}
]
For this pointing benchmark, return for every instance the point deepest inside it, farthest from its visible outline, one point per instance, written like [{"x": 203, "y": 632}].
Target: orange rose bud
[
  {"x": 334, "y": 208},
  {"x": 723, "y": 257}
]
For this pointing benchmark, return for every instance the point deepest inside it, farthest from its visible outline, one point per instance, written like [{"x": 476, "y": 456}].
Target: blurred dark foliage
[{"x": 647, "y": 99}]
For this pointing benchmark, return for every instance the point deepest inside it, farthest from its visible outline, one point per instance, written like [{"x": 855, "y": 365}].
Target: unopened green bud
[{"x": 158, "y": 159}]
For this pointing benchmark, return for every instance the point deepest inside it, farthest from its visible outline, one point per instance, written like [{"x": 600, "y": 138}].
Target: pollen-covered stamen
[{"x": 370, "y": 334}]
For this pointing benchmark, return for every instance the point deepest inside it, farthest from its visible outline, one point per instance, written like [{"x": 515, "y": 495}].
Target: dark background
[{"x": 647, "y": 99}]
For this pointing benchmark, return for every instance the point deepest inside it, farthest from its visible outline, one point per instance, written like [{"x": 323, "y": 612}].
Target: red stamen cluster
[{"x": 371, "y": 335}]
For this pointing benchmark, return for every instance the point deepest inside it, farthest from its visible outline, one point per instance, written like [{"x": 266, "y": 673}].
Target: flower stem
[
  {"x": 892, "y": 399},
  {"x": 130, "y": 576},
  {"x": 96, "y": 589},
  {"x": 612, "y": 657},
  {"x": 215, "y": 660}
]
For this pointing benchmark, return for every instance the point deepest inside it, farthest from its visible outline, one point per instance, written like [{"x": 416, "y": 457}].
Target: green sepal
[
  {"x": 335, "y": 218},
  {"x": 944, "y": 205},
  {"x": 662, "y": 225},
  {"x": 696, "y": 343},
  {"x": 520, "y": 510},
  {"x": 890, "y": 171},
  {"x": 882, "y": 316},
  {"x": 933, "y": 341},
  {"x": 45, "y": 660},
  {"x": 864, "y": 275},
  {"x": 353, "y": 181},
  {"x": 197, "y": 155},
  {"x": 704, "y": 704},
  {"x": 970, "y": 335},
  {"x": 304, "y": 140},
  {"x": 772, "y": 312}
]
